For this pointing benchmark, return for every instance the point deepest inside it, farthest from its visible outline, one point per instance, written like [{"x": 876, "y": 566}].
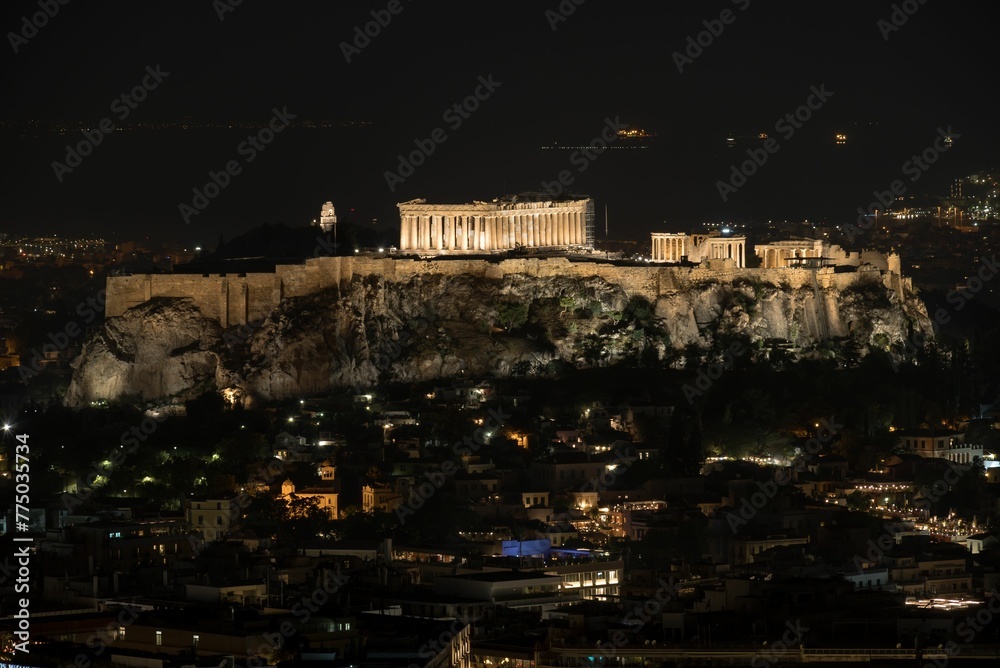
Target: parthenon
[{"x": 521, "y": 221}]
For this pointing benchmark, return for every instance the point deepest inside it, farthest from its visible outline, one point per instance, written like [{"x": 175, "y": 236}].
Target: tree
[
  {"x": 512, "y": 314},
  {"x": 305, "y": 519},
  {"x": 857, "y": 501}
]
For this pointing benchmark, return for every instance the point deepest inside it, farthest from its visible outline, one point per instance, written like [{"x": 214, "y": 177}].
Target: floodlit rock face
[
  {"x": 374, "y": 329},
  {"x": 159, "y": 350}
]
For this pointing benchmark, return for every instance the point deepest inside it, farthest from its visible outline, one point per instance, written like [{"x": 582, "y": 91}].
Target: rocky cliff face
[{"x": 434, "y": 326}]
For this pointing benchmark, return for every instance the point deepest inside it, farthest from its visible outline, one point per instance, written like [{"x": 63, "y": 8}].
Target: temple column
[{"x": 525, "y": 230}]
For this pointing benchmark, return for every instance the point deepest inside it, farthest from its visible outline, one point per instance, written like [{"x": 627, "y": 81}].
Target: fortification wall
[{"x": 238, "y": 299}]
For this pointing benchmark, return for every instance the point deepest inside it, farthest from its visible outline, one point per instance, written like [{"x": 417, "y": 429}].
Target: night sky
[{"x": 606, "y": 60}]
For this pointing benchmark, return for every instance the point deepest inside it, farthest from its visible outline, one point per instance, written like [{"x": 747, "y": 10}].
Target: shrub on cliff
[{"x": 869, "y": 295}]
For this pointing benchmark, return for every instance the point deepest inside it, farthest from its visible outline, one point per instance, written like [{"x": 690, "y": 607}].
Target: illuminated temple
[{"x": 513, "y": 222}]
